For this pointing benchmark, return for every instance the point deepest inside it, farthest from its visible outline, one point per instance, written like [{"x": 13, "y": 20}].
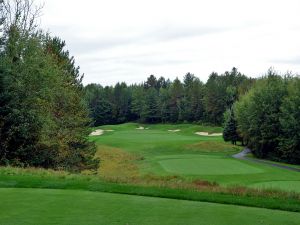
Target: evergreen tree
[
  {"x": 150, "y": 111},
  {"x": 197, "y": 104},
  {"x": 138, "y": 102},
  {"x": 151, "y": 82},
  {"x": 164, "y": 103},
  {"x": 215, "y": 103},
  {"x": 188, "y": 83},
  {"x": 230, "y": 127},
  {"x": 121, "y": 102},
  {"x": 176, "y": 95}
]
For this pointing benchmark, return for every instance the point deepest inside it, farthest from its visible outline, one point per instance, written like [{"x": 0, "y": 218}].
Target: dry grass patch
[{"x": 116, "y": 163}]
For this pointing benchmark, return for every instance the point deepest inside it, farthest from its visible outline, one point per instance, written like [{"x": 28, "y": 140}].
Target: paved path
[{"x": 242, "y": 155}]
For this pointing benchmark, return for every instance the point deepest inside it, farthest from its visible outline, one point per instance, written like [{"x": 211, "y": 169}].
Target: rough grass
[
  {"x": 117, "y": 164},
  {"x": 171, "y": 187},
  {"x": 285, "y": 185}
]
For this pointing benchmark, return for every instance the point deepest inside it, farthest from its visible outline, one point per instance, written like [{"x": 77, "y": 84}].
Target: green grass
[
  {"x": 44, "y": 179},
  {"x": 154, "y": 176},
  {"x": 204, "y": 164},
  {"x": 40, "y": 206},
  {"x": 194, "y": 157}
]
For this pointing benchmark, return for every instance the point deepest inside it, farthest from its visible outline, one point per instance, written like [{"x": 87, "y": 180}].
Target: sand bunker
[
  {"x": 174, "y": 131},
  {"x": 140, "y": 128},
  {"x": 208, "y": 134},
  {"x": 97, "y": 132}
]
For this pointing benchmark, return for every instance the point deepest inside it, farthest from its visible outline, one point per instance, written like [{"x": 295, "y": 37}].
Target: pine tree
[
  {"x": 151, "y": 111},
  {"x": 137, "y": 103},
  {"x": 230, "y": 128},
  {"x": 176, "y": 95}
]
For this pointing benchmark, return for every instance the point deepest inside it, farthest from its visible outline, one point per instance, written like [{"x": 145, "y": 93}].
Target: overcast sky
[{"x": 127, "y": 40}]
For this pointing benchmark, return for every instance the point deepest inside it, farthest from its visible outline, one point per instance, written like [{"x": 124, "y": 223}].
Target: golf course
[
  {"x": 154, "y": 174},
  {"x": 160, "y": 151},
  {"x": 149, "y": 112}
]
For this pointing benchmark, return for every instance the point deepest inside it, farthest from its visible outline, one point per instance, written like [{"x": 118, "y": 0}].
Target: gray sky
[{"x": 127, "y": 40}]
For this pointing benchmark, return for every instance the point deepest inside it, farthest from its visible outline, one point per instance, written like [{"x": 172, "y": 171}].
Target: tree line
[
  {"x": 261, "y": 113},
  {"x": 44, "y": 121},
  {"x": 267, "y": 118},
  {"x": 159, "y": 100}
]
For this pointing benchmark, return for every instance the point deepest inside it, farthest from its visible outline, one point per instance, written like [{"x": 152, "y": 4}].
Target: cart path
[{"x": 242, "y": 155}]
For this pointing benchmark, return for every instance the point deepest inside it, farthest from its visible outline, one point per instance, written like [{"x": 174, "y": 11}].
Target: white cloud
[{"x": 120, "y": 40}]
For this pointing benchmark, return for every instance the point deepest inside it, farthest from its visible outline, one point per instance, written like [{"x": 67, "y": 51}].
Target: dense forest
[
  {"x": 161, "y": 100},
  {"x": 267, "y": 118},
  {"x": 43, "y": 119}
]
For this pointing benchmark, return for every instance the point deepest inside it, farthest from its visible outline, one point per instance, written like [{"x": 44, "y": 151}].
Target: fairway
[
  {"x": 156, "y": 150},
  {"x": 64, "y": 207}
]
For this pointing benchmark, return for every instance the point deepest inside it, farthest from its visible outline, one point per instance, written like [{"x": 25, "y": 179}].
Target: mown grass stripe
[{"x": 280, "y": 203}]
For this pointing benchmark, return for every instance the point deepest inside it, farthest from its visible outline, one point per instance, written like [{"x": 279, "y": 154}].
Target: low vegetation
[
  {"x": 30, "y": 178},
  {"x": 117, "y": 164}
]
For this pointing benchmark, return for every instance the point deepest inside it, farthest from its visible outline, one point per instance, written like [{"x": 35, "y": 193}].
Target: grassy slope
[
  {"x": 38, "y": 206},
  {"x": 32, "y": 178},
  {"x": 207, "y": 158}
]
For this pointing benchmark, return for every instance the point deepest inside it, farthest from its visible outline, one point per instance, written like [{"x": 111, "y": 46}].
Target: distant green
[{"x": 203, "y": 164}]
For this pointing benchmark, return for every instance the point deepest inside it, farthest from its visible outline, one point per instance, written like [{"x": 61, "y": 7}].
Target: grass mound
[
  {"x": 204, "y": 164},
  {"x": 213, "y": 146}
]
